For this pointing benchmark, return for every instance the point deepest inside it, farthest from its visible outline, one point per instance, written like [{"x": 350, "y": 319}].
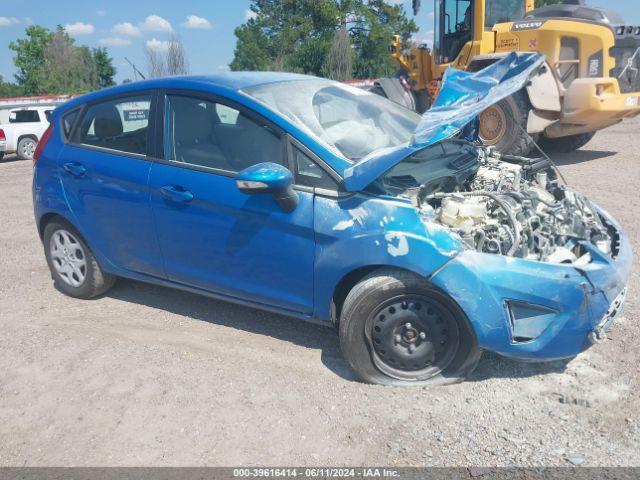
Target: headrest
[
  {"x": 193, "y": 123},
  {"x": 107, "y": 121}
]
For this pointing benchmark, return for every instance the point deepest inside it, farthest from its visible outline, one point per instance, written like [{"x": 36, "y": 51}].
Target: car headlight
[{"x": 528, "y": 321}]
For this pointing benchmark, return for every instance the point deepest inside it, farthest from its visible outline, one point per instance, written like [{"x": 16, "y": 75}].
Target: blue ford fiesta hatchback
[{"x": 310, "y": 198}]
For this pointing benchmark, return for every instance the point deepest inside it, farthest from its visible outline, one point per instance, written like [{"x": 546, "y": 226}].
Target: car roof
[{"x": 227, "y": 80}]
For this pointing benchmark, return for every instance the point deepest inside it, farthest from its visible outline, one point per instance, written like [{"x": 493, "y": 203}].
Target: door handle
[
  {"x": 74, "y": 168},
  {"x": 176, "y": 193}
]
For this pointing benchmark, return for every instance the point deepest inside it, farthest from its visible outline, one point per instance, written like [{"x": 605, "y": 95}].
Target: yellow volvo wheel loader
[{"x": 591, "y": 79}]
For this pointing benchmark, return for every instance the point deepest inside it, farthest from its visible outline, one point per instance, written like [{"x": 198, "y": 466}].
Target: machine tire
[
  {"x": 1, "y": 155},
  {"x": 512, "y": 137},
  {"x": 565, "y": 144},
  {"x": 27, "y": 147},
  {"x": 94, "y": 282},
  {"x": 378, "y": 294}
]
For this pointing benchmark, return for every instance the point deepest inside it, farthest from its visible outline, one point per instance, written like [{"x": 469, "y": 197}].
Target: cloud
[
  {"x": 424, "y": 39},
  {"x": 195, "y": 22},
  {"x": 101, "y": 13},
  {"x": 8, "y": 21},
  {"x": 158, "y": 45},
  {"x": 249, "y": 15},
  {"x": 79, "y": 28},
  {"x": 127, "y": 29},
  {"x": 114, "y": 42},
  {"x": 155, "y": 23}
]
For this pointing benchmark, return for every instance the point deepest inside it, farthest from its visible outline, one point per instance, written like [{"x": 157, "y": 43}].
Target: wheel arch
[
  {"x": 351, "y": 279},
  {"x": 47, "y": 218},
  {"x": 27, "y": 135}
]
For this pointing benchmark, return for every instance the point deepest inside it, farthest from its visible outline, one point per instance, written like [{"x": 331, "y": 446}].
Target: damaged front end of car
[
  {"x": 516, "y": 206},
  {"x": 543, "y": 270}
]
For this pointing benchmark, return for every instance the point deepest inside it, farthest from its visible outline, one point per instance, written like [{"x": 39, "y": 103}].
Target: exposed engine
[{"x": 515, "y": 206}]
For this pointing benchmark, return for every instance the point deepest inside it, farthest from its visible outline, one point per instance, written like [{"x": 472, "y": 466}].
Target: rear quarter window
[{"x": 67, "y": 123}]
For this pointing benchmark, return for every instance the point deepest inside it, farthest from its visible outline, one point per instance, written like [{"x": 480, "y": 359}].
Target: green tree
[
  {"x": 51, "y": 63},
  {"x": 541, "y": 3},
  {"x": 105, "y": 68},
  {"x": 67, "y": 68},
  {"x": 8, "y": 90},
  {"x": 30, "y": 56},
  {"x": 298, "y": 35}
]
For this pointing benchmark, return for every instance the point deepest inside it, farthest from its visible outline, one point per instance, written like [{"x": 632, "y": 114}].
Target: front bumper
[
  {"x": 584, "y": 110},
  {"x": 585, "y": 301}
]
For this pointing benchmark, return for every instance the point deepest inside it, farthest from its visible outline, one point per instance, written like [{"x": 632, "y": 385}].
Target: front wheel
[
  {"x": 396, "y": 329},
  {"x": 566, "y": 144},
  {"x": 504, "y": 125},
  {"x": 1, "y": 155}
]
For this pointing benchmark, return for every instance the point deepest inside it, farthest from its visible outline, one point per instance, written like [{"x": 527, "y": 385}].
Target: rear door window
[
  {"x": 120, "y": 125},
  {"x": 24, "y": 116}
]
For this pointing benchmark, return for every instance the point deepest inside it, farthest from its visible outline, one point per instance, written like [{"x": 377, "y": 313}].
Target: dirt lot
[{"x": 152, "y": 376}]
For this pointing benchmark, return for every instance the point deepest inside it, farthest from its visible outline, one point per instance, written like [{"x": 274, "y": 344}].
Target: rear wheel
[
  {"x": 27, "y": 147},
  {"x": 396, "y": 329},
  {"x": 1, "y": 155},
  {"x": 504, "y": 125},
  {"x": 74, "y": 269},
  {"x": 566, "y": 144}
]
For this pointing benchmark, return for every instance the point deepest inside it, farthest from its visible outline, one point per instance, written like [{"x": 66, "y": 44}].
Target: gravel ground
[{"x": 152, "y": 376}]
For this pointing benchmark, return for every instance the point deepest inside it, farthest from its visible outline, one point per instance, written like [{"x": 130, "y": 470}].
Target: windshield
[
  {"x": 347, "y": 120},
  {"x": 500, "y": 11}
]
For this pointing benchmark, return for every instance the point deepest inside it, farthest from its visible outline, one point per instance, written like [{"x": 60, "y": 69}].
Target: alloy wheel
[
  {"x": 68, "y": 258},
  {"x": 28, "y": 149}
]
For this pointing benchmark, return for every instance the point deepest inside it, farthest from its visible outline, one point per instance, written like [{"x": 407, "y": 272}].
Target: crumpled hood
[{"x": 462, "y": 98}]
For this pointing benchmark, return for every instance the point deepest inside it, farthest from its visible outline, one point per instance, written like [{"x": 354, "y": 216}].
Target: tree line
[
  {"x": 339, "y": 39},
  {"x": 50, "y": 63}
]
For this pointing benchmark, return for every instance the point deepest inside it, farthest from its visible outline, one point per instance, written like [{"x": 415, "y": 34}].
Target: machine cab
[{"x": 461, "y": 26}]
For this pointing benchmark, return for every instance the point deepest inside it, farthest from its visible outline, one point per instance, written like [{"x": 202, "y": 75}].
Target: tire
[
  {"x": 27, "y": 147},
  {"x": 416, "y": 314},
  {"x": 74, "y": 269},
  {"x": 504, "y": 125},
  {"x": 566, "y": 144},
  {"x": 1, "y": 155}
]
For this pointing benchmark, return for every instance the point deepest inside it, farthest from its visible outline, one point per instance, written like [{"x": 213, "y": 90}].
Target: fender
[
  {"x": 543, "y": 93},
  {"x": 361, "y": 231}
]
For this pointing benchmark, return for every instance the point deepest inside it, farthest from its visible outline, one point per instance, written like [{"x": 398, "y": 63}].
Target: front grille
[{"x": 627, "y": 70}]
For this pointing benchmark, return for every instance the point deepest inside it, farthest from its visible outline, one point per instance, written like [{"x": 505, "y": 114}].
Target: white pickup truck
[{"x": 22, "y": 134}]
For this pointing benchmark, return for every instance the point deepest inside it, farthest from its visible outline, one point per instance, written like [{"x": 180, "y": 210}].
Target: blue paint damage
[{"x": 246, "y": 249}]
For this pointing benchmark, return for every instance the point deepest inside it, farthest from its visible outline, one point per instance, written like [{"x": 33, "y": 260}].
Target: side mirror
[{"x": 269, "y": 178}]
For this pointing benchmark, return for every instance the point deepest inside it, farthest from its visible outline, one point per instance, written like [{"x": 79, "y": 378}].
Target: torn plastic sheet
[{"x": 462, "y": 98}]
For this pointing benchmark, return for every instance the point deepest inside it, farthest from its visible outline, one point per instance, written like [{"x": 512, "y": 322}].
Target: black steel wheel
[
  {"x": 396, "y": 329},
  {"x": 413, "y": 337}
]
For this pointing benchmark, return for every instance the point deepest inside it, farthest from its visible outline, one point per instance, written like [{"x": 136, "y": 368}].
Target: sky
[{"x": 205, "y": 27}]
